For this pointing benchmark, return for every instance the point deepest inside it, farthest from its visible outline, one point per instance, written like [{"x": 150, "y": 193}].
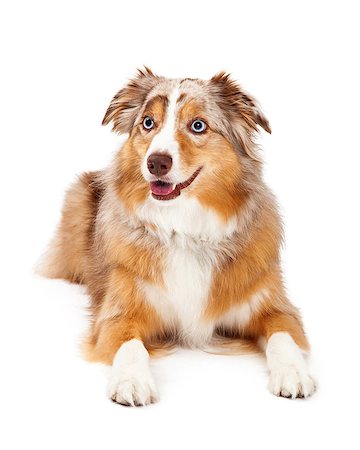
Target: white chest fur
[
  {"x": 181, "y": 302},
  {"x": 192, "y": 237}
]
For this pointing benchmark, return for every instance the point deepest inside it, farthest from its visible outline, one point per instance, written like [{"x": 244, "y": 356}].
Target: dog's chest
[
  {"x": 193, "y": 238},
  {"x": 183, "y": 298}
]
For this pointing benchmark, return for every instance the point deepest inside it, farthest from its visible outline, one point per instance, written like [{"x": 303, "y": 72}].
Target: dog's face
[{"x": 186, "y": 137}]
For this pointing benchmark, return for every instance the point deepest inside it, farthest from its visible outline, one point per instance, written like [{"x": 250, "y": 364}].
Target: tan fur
[
  {"x": 67, "y": 254},
  {"x": 102, "y": 243}
]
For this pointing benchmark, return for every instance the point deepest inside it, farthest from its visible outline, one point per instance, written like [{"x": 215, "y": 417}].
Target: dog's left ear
[
  {"x": 242, "y": 110},
  {"x": 127, "y": 103}
]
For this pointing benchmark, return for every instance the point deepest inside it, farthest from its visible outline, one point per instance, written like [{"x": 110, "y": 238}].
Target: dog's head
[{"x": 186, "y": 137}]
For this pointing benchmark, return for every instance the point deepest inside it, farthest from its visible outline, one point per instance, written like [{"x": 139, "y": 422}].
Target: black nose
[{"x": 159, "y": 164}]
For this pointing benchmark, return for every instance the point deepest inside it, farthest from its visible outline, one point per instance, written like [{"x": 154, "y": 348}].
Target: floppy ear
[
  {"x": 127, "y": 103},
  {"x": 241, "y": 109}
]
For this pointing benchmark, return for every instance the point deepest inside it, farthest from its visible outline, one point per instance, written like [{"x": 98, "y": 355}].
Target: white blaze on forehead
[
  {"x": 165, "y": 140},
  {"x": 166, "y": 136}
]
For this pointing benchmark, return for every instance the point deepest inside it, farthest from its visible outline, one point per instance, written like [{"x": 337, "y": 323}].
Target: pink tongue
[{"x": 161, "y": 188}]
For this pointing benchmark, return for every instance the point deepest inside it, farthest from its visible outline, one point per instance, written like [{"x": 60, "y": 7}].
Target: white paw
[
  {"x": 132, "y": 389},
  {"x": 291, "y": 383},
  {"x": 289, "y": 375},
  {"x": 131, "y": 382}
]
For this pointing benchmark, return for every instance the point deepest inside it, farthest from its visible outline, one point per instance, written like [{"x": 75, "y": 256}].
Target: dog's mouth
[{"x": 161, "y": 190}]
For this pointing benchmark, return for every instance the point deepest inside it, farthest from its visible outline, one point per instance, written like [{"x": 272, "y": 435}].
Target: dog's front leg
[
  {"x": 130, "y": 381},
  {"x": 121, "y": 326},
  {"x": 285, "y": 347}
]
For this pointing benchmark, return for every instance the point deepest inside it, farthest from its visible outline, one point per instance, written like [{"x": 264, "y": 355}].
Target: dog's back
[{"x": 67, "y": 256}]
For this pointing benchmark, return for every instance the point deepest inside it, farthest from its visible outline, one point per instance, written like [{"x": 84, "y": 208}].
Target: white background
[{"x": 61, "y": 64}]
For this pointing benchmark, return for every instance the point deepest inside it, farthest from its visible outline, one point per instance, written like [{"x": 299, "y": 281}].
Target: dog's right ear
[{"x": 126, "y": 104}]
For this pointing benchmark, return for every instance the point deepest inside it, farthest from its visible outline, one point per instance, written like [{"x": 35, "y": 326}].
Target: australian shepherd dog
[{"x": 178, "y": 240}]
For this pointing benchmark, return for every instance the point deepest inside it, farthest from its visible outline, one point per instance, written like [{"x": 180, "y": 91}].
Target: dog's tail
[
  {"x": 218, "y": 345},
  {"x": 223, "y": 345}
]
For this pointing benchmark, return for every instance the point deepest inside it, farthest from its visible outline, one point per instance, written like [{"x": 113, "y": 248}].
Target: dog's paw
[
  {"x": 134, "y": 389},
  {"x": 291, "y": 382},
  {"x": 130, "y": 382}
]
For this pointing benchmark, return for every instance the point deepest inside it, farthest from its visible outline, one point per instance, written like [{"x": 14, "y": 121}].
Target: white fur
[
  {"x": 193, "y": 237},
  {"x": 165, "y": 142},
  {"x": 289, "y": 374},
  {"x": 239, "y": 316},
  {"x": 185, "y": 217},
  {"x": 130, "y": 381},
  {"x": 187, "y": 279}
]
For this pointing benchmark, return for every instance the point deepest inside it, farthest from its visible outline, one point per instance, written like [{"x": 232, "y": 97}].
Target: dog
[{"x": 178, "y": 240}]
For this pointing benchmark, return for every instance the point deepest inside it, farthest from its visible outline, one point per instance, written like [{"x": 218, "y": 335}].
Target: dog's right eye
[{"x": 148, "y": 123}]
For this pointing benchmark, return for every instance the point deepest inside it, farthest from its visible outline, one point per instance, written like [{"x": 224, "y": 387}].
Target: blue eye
[
  {"x": 198, "y": 126},
  {"x": 148, "y": 123}
]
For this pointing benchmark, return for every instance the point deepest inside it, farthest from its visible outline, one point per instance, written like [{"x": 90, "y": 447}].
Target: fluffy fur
[{"x": 188, "y": 269}]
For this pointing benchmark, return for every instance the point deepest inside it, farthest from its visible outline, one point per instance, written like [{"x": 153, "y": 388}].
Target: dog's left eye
[
  {"x": 198, "y": 126},
  {"x": 148, "y": 123}
]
